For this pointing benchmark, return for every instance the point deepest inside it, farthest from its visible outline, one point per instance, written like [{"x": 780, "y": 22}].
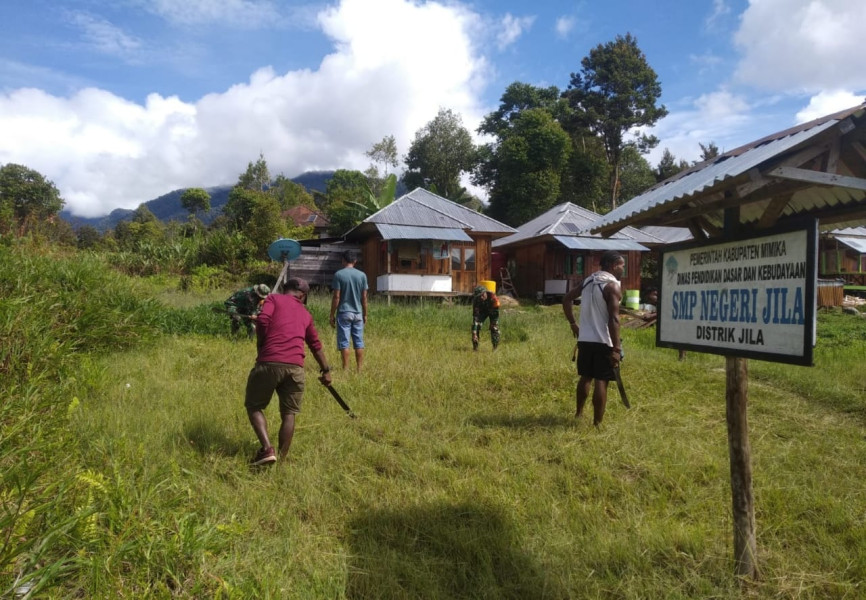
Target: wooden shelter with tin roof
[{"x": 425, "y": 245}]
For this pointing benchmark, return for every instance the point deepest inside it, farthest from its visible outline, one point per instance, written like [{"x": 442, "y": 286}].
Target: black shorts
[{"x": 595, "y": 360}]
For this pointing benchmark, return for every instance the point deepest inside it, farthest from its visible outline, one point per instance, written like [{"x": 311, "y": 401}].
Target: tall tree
[
  {"x": 440, "y": 153},
  {"x": 257, "y": 177},
  {"x": 247, "y": 192},
  {"x": 526, "y": 166},
  {"x": 195, "y": 200},
  {"x": 265, "y": 224},
  {"x": 615, "y": 91},
  {"x": 289, "y": 194},
  {"x": 343, "y": 192},
  {"x": 384, "y": 153},
  {"x": 517, "y": 98},
  {"x": 26, "y": 198}
]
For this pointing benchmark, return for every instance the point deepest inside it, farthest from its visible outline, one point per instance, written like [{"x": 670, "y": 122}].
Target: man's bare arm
[
  {"x": 568, "y": 308},
  {"x": 335, "y": 302}
]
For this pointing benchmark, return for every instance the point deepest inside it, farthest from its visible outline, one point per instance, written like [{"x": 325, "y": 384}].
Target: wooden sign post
[
  {"x": 742, "y": 297},
  {"x": 740, "y": 453}
]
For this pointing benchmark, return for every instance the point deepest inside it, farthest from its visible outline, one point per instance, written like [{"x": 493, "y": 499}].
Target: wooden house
[
  {"x": 843, "y": 257},
  {"x": 553, "y": 252},
  {"x": 426, "y": 245}
]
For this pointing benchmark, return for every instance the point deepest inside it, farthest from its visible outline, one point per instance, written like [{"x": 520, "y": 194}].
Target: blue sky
[{"x": 120, "y": 101}]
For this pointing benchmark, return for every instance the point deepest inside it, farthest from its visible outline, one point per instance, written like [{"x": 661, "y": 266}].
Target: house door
[{"x": 463, "y": 268}]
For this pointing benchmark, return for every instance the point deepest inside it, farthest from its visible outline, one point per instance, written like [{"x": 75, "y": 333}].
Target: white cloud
[
  {"x": 802, "y": 46},
  {"x": 512, "y": 28},
  {"x": 720, "y": 10},
  {"x": 240, "y": 13},
  {"x": 105, "y": 152},
  {"x": 105, "y": 37},
  {"x": 705, "y": 62},
  {"x": 564, "y": 26},
  {"x": 721, "y": 117},
  {"x": 826, "y": 103}
]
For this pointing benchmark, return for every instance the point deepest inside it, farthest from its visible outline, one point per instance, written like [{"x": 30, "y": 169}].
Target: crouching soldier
[
  {"x": 244, "y": 305},
  {"x": 485, "y": 305}
]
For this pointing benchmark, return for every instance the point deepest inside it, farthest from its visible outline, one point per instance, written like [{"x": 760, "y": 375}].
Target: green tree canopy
[
  {"x": 517, "y": 98},
  {"x": 526, "y": 166},
  {"x": 88, "y": 237},
  {"x": 384, "y": 153},
  {"x": 440, "y": 153},
  {"x": 636, "y": 174},
  {"x": 289, "y": 194},
  {"x": 343, "y": 193},
  {"x": 195, "y": 200},
  {"x": 265, "y": 224},
  {"x": 708, "y": 152},
  {"x": 669, "y": 166},
  {"x": 26, "y": 198},
  {"x": 615, "y": 92},
  {"x": 257, "y": 176},
  {"x": 238, "y": 209}
]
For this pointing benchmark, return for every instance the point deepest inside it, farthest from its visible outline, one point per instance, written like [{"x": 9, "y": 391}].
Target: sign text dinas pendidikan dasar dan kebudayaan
[{"x": 752, "y": 297}]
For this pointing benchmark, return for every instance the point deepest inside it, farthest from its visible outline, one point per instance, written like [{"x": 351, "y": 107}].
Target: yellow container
[
  {"x": 490, "y": 285},
  {"x": 632, "y": 299}
]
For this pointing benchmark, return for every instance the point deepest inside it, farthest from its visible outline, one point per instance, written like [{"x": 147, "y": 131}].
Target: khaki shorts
[{"x": 286, "y": 380}]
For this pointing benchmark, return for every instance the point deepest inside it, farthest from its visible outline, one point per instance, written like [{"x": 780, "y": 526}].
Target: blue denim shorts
[{"x": 349, "y": 323}]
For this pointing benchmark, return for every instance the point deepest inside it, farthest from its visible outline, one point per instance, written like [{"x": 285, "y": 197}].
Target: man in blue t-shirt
[{"x": 349, "y": 309}]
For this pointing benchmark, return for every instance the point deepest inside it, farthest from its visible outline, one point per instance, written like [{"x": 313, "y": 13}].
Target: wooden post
[{"x": 737, "y": 396}]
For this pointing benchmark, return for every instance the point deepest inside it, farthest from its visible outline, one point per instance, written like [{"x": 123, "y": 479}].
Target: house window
[
  {"x": 409, "y": 256},
  {"x": 573, "y": 264},
  {"x": 462, "y": 258},
  {"x": 468, "y": 259},
  {"x": 456, "y": 259}
]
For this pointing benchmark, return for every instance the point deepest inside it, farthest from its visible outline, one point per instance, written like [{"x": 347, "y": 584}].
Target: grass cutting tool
[
  {"x": 341, "y": 402},
  {"x": 621, "y": 388}
]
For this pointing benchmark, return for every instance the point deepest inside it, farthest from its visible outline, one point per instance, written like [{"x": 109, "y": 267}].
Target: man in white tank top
[{"x": 598, "y": 344}]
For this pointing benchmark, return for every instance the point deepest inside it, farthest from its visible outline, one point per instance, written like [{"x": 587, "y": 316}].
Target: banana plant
[{"x": 373, "y": 203}]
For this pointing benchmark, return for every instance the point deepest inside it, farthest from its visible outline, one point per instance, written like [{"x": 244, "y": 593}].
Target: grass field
[{"x": 465, "y": 475}]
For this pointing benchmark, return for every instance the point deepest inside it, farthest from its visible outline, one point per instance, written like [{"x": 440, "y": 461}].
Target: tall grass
[{"x": 465, "y": 475}]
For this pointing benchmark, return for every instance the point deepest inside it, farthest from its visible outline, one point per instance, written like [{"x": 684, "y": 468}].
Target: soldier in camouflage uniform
[
  {"x": 244, "y": 306},
  {"x": 485, "y": 305}
]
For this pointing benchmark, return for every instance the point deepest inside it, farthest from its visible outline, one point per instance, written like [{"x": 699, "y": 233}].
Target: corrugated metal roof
[
  {"x": 855, "y": 243},
  {"x": 570, "y": 220},
  {"x": 412, "y": 232},
  {"x": 592, "y": 243},
  {"x": 425, "y": 209},
  {"x": 660, "y": 204},
  {"x": 855, "y": 231},
  {"x": 669, "y": 235}
]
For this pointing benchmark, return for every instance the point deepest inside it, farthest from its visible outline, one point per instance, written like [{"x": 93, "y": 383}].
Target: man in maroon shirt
[{"x": 283, "y": 326}]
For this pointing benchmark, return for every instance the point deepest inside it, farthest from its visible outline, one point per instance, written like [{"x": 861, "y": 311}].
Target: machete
[
  {"x": 621, "y": 388},
  {"x": 341, "y": 402}
]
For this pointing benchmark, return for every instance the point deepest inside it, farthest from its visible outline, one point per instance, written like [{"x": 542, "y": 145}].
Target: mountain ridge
[{"x": 168, "y": 207}]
